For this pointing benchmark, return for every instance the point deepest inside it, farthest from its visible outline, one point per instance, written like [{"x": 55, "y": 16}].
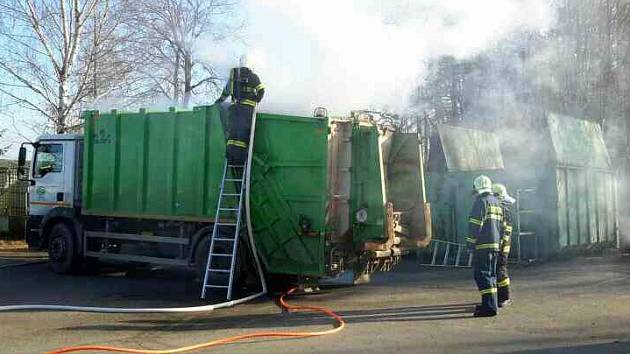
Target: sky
[
  {"x": 351, "y": 54},
  {"x": 347, "y": 54}
]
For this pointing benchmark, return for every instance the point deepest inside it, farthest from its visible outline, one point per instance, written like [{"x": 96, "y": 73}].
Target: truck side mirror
[{"x": 21, "y": 160}]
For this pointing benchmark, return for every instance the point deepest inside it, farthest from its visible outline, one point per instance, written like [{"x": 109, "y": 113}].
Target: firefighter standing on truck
[
  {"x": 246, "y": 91},
  {"x": 503, "y": 280},
  {"x": 486, "y": 218}
]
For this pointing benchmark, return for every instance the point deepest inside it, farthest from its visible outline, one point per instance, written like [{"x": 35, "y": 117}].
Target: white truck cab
[
  {"x": 54, "y": 181},
  {"x": 53, "y": 173}
]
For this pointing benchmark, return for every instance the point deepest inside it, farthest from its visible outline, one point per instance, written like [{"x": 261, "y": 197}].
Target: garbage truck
[{"x": 326, "y": 194}]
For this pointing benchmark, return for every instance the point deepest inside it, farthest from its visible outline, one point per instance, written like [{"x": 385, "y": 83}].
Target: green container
[
  {"x": 289, "y": 193},
  {"x": 168, "y": 166},
  {"x": 162, "y": 165},
  {"x": 367, "y": 184}
]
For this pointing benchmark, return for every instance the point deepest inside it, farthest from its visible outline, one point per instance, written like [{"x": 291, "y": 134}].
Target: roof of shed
[
  {"x": 577, "y": 142},
  {"x": 469, "y": 149}
]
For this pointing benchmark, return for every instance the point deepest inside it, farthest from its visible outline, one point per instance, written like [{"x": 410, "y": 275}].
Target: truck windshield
[{"x": 48, "y": 158}]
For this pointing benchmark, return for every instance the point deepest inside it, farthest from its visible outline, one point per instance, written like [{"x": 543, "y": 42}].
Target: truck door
[{"x": 48, "y": 173}]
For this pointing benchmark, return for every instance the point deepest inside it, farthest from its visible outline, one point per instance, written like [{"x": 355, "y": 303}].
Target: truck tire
[{"x": 62, "y": 253}]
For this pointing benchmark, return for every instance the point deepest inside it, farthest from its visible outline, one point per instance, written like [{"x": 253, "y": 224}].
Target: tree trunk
[
  {"x": 60, "y": 121},
  {"x": 176, "y": 76},
  {"x": 187, "y": 78}
]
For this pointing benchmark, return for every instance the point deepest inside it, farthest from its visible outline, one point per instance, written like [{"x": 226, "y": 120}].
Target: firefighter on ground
[
  {"x": 486, "y": 218},
  {"x": 246, "y": 91},
  {"x": 503, "y": 280}
]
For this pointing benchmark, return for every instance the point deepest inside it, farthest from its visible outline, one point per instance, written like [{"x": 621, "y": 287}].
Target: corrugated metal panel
[
  {"x": 153, "y": 164},
  {"x": 470, "y": 150},
  {"x": 586, "y": 210}
]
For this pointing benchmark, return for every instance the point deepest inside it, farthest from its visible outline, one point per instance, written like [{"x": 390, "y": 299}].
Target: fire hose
[{"x": 291, "y": 308}]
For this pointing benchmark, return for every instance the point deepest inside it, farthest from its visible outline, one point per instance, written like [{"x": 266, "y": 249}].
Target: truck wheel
[
  {"x": 61, "y": 249},
  {"x": 201, "y": 258}
]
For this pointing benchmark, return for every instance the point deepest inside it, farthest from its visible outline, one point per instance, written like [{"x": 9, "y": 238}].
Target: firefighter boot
[{"x": 484, "y": 312}]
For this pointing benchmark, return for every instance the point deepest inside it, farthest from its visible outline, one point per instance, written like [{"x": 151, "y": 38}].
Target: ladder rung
[
  {"x": 526, "y": 233},
  {"x": 218, "y": 270},
  {"x": 225, "y": 224},
  {"x": 236, "y": 166},
  {"x": 221, "y": 254},
  {"x": 216, "y": 286},
  {"x": 234, "y": 179},
  {"x": 223, "y": 239},
  {"x": 232, "y": 209},
  {"x": 231, "y": 195}
]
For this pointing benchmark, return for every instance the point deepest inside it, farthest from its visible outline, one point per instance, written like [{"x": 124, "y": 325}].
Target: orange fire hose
[{"x": 217, "y": 342}]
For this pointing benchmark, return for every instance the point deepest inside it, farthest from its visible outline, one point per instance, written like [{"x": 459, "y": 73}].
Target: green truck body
[
  {"x": 144, "y": 188},
  {"x": 168, "y": 166}
]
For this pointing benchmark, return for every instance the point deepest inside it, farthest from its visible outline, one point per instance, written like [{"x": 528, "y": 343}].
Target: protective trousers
[
  {"x": 485, "y": 273},
  {"x": 239, "y": 128},
  {"x": 503, "y": 281}
]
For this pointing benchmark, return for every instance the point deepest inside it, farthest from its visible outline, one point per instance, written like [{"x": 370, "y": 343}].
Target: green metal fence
[{"x": 12, "y": 204}]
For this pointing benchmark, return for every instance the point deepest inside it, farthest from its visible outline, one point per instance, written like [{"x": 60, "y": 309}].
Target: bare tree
[
  {"x": 169, "y": 30},
  {"x": 40, "y": 45},
  {"x": 58, "y": 55},
  {"x": 3, "y": 147}
]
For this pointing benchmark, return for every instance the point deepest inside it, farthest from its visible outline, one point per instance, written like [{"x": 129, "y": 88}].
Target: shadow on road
[
  {"x": 608, "y": 348},
  {"x": 408, "y": 314}
]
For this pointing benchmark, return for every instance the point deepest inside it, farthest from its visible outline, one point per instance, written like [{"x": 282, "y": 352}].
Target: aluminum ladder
[
  {"x": 524, "y": 207},
  {"x": 222, "y": 254},
  {"x": 451, "y": 254}
]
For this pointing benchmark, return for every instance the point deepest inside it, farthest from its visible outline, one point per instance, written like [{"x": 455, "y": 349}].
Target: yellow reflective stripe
[
  {"x": 504, "y": 283},
  {"x": 485, "y": 246},
  {"x": 488, "y": 291},
  {"x": 248, "y": 102},
  {"x": 506, "y": 250},
  {"x": 508, "y": 229},
  {"x": 238, "y": 143},
  {"x": 471, "y": 239},
  {"x": 506, "y": 238},
  {"x": 260, "y": 86},
  {"x": 475, "y": 221},
  {"x": 494, "y": 216},
  {"x": 495, "y": 210}
]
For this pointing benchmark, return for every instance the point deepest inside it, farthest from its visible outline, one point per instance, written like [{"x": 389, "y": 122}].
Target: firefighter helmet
[
  {"x": 482, "y": 184},
  {"x": 500, "y": 191},
  {"x": 243, "y": 61}
]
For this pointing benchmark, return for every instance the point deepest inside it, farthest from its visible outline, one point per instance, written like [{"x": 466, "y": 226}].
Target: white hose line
[
  {"x": 190, "y": 309},
  {"x": 250, "y": 233}
]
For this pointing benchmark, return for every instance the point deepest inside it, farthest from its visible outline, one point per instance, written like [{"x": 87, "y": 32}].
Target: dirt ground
[
  {"x": 578, "y": 306},
  {"x": 13, "y": 246}
]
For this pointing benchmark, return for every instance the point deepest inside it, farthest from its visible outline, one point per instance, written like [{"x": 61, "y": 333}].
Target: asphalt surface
[{"x": 579, "y": 306}]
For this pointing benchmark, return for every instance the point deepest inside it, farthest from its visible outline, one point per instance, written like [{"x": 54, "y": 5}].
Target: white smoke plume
[{"x": 347, "y": 54}]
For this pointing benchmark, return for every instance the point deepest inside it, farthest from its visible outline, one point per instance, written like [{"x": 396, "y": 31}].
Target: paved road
[{"x": 578, "y": 307}]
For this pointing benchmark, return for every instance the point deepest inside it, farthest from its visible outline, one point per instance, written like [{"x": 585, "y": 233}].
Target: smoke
[{"x": 348, "y": 54}]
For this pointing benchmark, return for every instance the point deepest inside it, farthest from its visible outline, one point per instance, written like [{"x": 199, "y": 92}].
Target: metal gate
[
  {"x": 527, "y": 242},
  {"x": 12, "y": 203}
]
